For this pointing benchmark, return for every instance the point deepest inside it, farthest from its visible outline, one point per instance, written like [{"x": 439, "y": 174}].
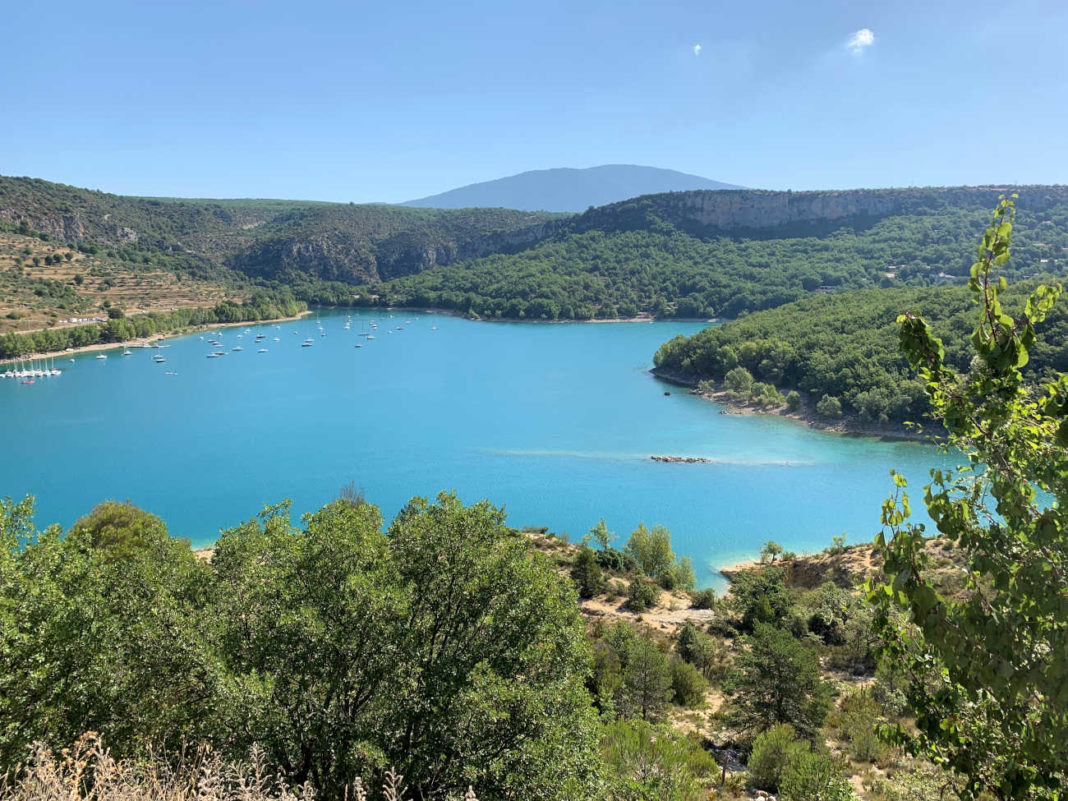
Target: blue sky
[{"x": 387, "y": 101}]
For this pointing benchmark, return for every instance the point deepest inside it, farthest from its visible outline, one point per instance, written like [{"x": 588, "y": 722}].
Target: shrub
[
  {"x": 829, "y": 406},
  {"x": 688, "y": 686},
  {"x": 704, "y": 599},
  {"x": 641, "y": 595},
  {"x": 772, "y": 752},
  {"x": 813, "y": 776},
  {"x": 651, "y": 549},
  {"x": 859, "y": 716},
  {"x": 679, "y": 576},
  {"x": 702, "y": 651},
  {"x": 793, "y": 400},
  {"x": 643, "y": 761}
]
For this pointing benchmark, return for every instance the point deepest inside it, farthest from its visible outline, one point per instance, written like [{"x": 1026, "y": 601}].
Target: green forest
[
  {"x": 845, "y": 347},
  {"x": 643, "y": 259}
]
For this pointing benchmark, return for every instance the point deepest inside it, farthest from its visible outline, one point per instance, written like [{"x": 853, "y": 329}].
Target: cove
[{"x": 556, "y": 422}]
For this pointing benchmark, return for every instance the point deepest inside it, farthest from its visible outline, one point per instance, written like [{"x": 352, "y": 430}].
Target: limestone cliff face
[
  {"x": 731, "y": 211},
  {"x": 339, "y": 256},
  {"x": 66, "y": 227}
]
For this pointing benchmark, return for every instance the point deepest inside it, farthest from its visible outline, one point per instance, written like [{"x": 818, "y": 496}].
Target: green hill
[
  {"x": 727, "y": 253},
  {"x": 846, "y": 346}
]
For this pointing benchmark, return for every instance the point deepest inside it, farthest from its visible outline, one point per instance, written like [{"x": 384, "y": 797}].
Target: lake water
[{"x": 555, "y": 422}]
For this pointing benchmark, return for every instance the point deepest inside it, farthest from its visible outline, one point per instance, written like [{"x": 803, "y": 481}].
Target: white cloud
[
  {"x": 697, "y": 49},
  {"x": 861, "y": 39}
]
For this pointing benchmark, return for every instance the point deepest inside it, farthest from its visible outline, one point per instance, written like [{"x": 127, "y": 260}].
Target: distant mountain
[{"x": 567, "y": 189}]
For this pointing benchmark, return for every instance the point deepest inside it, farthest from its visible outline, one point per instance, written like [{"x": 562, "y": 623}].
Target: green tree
[
  {"x": 739, "y": 382},
  {"x": 641, "y": 595},
  {"x": 761, "y": 596},
  {"x": 770, "y": 551},
  {"x": 651, "y": 549},
  {"x": 493, "y": 657},
  {"x": 586, "y": 573},
  {"x": 100, "y": 630},
  {"x": 601, "y": 535},
  {"x": 829, "y": 406},
  {"x": 448, "y": 649},
  {"x": 647, "y": 679},
  {"x": 778, "y": 681},
  {"x": 989, "y": 677},
  {"x": 688, "y": 686}
]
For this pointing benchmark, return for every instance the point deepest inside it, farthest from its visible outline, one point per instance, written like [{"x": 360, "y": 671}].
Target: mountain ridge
[{"x": 568, "y": 189}]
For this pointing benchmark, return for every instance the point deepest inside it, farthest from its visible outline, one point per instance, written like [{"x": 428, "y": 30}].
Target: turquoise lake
[{"x": 555, "y": 422}]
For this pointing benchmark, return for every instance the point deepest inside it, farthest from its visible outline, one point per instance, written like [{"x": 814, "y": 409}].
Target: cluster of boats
[{"x": 27, "y": 371}]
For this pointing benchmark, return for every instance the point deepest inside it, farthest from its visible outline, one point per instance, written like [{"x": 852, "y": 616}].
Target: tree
[
  {"x": 770, "y": 552},
  {"x": 647, "y": 679},
  {"x": 586, "y": 573},
  {"x": 651, "y": 549},
  {"x": 100, "y": 631},
  {"x": 988, "y": 674},
  {"x": 701, "y": 651},
  {"x": 829, "y": 406},
  {"x": 739, "y": 381},
  {"x": 688, "y": 686},
  {"x": 492, "y": 658},
  {"x": 761, "y": 596},
  {"x": 778, "y": 681},
  {"x": 601, "y": 535},
  {"x": 447, "y": 649},
  {"x": 641, "y": 595}
]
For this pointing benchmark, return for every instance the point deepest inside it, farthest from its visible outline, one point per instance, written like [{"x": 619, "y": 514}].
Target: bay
[{"x": 554, "y": 421}]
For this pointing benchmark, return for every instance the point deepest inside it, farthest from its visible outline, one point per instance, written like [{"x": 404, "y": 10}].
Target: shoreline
[
  {"x": 641, "y": 318},
  {"x": 142, "y": 342},
  {"x": 806, "y": 416}
]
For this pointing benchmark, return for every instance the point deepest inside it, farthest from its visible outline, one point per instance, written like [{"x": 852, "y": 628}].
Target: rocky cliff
[{"x": 762, "y": 212}]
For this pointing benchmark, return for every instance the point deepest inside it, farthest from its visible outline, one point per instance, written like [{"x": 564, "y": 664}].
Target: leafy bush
[
  {"x": 687, "y": 685},
  {"x": 702, "y": 651},
  {"x": 813, "y": 776},
  {"x": 859, "y": 714},
  {"x": 829, "y": 406},
  {"x": 772, "y": 753},
  {"x": 641, "y": 595},
  {"x": 644, "y": 762},
  {"x": 704, "y": 599},
  {"x": 739, "y": 383}
]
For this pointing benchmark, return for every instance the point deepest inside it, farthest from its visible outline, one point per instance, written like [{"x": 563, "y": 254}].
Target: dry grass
[
  {"x": 132, "y": 287},
  {"x": 87, "y": 772}
]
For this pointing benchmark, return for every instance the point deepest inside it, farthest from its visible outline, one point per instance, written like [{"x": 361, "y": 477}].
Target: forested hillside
[
  {"x": 726, "y": 253},
  {"x": 845, "y": 347},
  {"x": 682, "y": 254},
  {"x": 218, "y": 238}
]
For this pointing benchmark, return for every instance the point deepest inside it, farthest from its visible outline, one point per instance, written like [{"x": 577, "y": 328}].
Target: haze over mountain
[{"x": 568, "y": 189}]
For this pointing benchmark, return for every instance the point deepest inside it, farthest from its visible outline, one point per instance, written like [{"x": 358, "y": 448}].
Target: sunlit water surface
[{"x": 555, "y": 422}]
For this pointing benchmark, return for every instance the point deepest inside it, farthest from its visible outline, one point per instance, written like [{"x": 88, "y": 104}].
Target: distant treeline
[
  {"x": 262, "y": 305},
  {"x": 845, "y": 346},
  {"x": 650, "y": 264}
]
